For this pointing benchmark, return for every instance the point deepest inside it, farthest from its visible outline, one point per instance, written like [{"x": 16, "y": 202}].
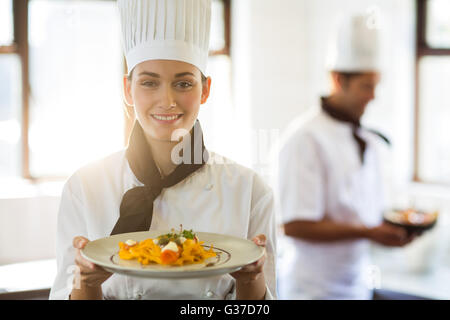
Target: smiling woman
[
  {"x": 145, "y": 187},
  {"x": 166, "y": 96}
]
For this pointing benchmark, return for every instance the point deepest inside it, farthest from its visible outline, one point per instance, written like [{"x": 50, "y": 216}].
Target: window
[
  {"x": 6, "y": 22},
  {"x": 220, "y": 20},
  {"x": 76, "y": 109},
  {"x": 216, "y": 115},
  {"x": 10, "y": 131},
  {"x": 10, "y": 96},
  {"x": 61, "y": 105},
  {"x": 438, "y": 24},
  {"x": 433, "y": 81}
]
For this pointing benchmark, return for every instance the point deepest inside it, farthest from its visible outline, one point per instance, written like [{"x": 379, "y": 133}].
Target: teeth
[{"x": 165, "y": 118}]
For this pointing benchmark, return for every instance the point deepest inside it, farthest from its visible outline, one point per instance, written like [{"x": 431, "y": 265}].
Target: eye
[
  {"x": 183, "y": 85},
  {"x": 149, "y": 83}
]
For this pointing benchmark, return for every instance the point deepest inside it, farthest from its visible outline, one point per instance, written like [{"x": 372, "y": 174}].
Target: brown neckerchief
[
  {"x": 136, "y": 208},
  {"x": 356, "y": 125}
]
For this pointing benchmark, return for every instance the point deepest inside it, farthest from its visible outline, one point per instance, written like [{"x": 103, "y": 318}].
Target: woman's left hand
[{"x": 253, "y": 271}]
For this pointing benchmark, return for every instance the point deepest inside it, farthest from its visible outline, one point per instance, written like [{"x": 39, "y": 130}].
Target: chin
[
  {"x": 362, "y": 110},
  {"x": 165, "y": 136}
]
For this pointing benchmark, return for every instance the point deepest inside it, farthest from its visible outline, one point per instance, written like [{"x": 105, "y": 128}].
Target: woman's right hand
[
  {"x": 91, "y": 275},
  {"x": 389, "y": 235}
]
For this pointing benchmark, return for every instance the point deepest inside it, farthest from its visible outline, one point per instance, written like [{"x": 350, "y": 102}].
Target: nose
[
  {"x": 167, "y": 98},
  {"x": 371, "y": 94}
]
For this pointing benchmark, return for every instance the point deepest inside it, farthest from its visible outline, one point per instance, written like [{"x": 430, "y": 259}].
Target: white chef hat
[
  {"x": 166, "y": 29},
  {"x": 356, "y": 45}
]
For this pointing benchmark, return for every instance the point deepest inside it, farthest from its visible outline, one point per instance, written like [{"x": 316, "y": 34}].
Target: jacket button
[
  {"x": 209, "y": 294},
  {"x": 208, "y": 187}
]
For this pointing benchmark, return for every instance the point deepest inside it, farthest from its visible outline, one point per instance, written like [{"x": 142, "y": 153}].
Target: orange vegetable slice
[{"x": 169, "y": 256}]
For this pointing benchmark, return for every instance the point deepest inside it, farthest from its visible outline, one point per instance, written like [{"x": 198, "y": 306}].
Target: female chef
[
  {"x": 154, "y": 185},
  {"x": 329, "y": 185}
]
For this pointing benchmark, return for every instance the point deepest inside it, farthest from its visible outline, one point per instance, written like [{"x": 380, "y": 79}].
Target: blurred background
[{"x": 61, "y": 106}]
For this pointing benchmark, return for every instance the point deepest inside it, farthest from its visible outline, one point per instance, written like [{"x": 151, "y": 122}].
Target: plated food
[
  {"x": 172, "y": 248},
  {"x": 205, "y": 255},
  {"x": 413, "y": 220}
]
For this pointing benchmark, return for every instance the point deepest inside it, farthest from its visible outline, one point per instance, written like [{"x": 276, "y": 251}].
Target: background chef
[{"x": 329, "y": 186}]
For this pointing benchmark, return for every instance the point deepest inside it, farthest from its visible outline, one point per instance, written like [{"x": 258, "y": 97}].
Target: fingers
[
  {"x": 79, "y": 242},
  {"x": 252, "y": 276},
  {"x": 411, "y": 238},
  {"x": 246, "y": 277},
  {"x": 255, "y": 266},
  {"x": 408, "y": 238},
  {"x": 83, "y": 263},
  {"x": 260, "y": 240},
  {"x": 402, "y": 234},
  {"x": 251, "y": 271},
  {"x": 89, "y": 273},
  {"x": 94, "y": 279},
  {"x": 396, "y": 234}
]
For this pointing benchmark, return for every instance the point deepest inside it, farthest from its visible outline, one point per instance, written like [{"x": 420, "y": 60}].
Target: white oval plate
[{"x": 232, "y": 254}]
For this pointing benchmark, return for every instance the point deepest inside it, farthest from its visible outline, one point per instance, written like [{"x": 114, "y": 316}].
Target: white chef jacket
[
  {"x": 320, "y": 175},
  {"x": 221, "y": 197}
]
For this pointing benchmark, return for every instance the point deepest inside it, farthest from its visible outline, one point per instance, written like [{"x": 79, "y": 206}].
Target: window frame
[
  {"x": 422, "y": 50},
  {"x": 20, "y": 47}
]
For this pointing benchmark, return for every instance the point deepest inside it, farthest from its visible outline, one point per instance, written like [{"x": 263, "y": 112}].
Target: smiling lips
[{"x": 166, "y": 118}]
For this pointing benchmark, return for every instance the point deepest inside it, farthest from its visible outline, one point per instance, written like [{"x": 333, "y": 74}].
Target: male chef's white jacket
[
  {"x": 221, "y": 197},
  {"x": 320, "y": 175}
]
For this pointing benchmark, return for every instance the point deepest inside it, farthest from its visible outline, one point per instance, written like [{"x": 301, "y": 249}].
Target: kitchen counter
[
  {"x": 27, "y": 276},
  {"x": 433, "y": 284},
  {"x": 39, "y": 275}
]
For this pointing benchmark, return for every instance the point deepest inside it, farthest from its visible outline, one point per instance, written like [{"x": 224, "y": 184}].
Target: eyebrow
[
  {"x": 151, "y": 74},
  {"x": 155, "y": 75},
  {"x": 182, "y": 74}
]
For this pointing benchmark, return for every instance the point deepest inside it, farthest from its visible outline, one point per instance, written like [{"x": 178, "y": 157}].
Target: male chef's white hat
[
  {"x": 356, "y": 46},
  {"x": 167, "y": 30}
]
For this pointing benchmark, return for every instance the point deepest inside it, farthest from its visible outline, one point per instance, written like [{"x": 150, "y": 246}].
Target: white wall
[{"x": 27, "y": 228}]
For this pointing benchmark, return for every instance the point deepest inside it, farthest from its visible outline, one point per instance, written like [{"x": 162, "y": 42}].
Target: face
[
  {"x": 166, "y": 96},
  {"x": 358, "y": 91}
]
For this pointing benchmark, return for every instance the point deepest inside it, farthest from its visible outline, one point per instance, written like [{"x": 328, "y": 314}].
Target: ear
[
  {"x": 336, "y": 81},
  {"x": 206, "y": 90},
  {"x": 340, "y": 83},
  {"x": 127, "y": 91}
]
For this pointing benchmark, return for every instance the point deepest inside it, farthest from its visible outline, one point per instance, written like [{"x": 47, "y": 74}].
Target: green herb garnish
[
  {"x": 166, "y": 238},
  {"x": 188, "y": 234}
]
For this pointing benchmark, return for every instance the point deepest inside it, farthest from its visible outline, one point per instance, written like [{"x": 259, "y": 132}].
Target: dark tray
[{"x": 413, "y": 228}]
